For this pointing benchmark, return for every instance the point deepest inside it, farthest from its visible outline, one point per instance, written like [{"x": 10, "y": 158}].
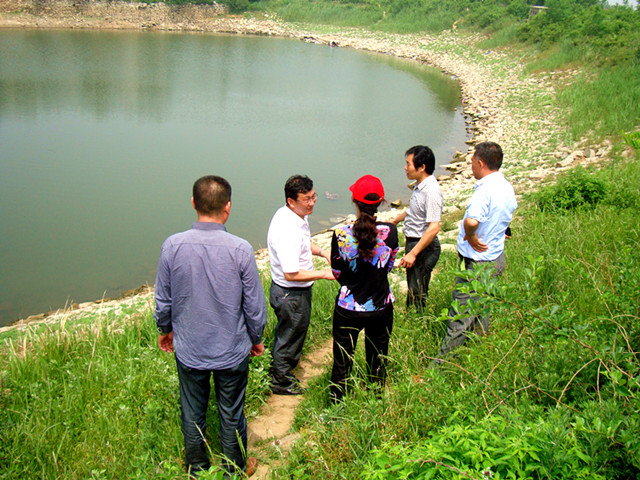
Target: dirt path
[{"x": 272, "y": 426}]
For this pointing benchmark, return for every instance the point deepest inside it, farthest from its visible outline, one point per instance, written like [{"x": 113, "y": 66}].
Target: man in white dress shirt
[{"x": 292, "y": 275}]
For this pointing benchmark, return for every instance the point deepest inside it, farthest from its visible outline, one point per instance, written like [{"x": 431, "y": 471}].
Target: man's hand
[
  {"x": 408, "y": 260},
  {"x": 399, "y": 218},
  {"x": 328, "y": 275},
  {"x": 257, "y": 350},
  {"x": 165, "y": 342},
  {"x": 470, "y": 226},
  {"x": 475, "y": 242}
]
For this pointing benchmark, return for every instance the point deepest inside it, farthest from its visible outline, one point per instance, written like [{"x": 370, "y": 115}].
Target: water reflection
[{"x": 103, "y": 133}]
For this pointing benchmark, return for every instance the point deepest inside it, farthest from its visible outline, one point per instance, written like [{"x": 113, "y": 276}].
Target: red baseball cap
[{"x": 366, "y": 185}]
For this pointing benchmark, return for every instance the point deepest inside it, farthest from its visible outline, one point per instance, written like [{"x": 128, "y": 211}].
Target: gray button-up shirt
[
  {"x": 425, "y": 206},
  {"x": 208, "y": 291}
]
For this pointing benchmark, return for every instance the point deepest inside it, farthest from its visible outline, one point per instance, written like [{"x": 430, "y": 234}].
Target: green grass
[
  {"x": 604, "y": 101},
  {"x": 552, "y": 392},
  {"x": 97, "y": 398},
  {"x": 382, "y": 16}
]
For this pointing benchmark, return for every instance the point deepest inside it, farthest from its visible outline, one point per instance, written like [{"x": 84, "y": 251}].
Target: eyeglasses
[{"x": 309, "y": 200}]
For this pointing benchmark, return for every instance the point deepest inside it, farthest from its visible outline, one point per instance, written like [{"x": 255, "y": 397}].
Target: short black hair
[
  {"x": 295, "y": 185},
  {"x": 211, "y": 194},
  {"x": 491, "y": 154},
  {"x": 422, "y": 155}
]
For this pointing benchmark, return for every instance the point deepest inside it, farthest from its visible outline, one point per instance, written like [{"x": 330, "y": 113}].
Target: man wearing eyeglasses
[{"x": 292, "y": 275}]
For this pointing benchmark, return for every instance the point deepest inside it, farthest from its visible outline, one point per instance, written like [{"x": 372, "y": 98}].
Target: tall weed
[{"x": 603, "y": 102}]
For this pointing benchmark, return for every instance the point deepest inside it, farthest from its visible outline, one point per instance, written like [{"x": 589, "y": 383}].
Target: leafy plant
[
  {"x": 578, "y": 189},
  {"x": 632, "y": 139}
]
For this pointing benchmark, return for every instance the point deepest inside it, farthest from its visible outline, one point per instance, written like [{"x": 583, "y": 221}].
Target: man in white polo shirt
[
  {"x": 292, "y": 275},
  {"x": 482, "y": 236}
]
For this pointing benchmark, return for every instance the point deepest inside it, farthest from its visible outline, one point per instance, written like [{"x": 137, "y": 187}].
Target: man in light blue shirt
[
  {"x": 482, "y": 236},
  {"x": 210, "y": 308}
]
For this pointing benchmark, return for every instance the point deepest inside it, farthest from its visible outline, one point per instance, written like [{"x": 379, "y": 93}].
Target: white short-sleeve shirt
[{"x": 289, "y": 244}]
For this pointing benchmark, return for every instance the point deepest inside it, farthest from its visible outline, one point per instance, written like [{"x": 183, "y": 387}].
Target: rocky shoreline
[{"x": 500, "y": 102}]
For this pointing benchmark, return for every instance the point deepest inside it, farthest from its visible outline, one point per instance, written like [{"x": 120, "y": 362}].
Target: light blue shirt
[
  {"x": 492, "y": 204},
  {"x": 209, "y": 292}
]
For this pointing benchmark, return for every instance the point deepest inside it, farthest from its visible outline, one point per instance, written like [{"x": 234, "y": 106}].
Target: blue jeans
[{"x": 230, "y": 387}]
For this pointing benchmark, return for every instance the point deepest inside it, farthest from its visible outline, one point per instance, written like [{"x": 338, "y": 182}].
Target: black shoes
[
  {"x": 292, "y": 389},
  {"x": 287, "y": 384}
]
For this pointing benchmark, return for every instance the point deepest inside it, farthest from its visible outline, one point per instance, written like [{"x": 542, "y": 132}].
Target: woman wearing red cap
[{"x": 362, "y": 255}]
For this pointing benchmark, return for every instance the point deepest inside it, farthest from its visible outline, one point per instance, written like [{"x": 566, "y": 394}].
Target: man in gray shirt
[
  {"x": 210, "y": 308},
  {"x": 421, "y": 224}
]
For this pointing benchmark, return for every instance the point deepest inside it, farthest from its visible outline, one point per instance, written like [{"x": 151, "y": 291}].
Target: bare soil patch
[{"x": 272, "y": 427}]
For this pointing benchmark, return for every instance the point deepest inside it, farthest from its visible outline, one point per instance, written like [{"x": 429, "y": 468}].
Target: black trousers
[
  {"x": 346, "y": 327},
  {"x": 419, "y": 276},
  {"x": 292, "y": 307}
]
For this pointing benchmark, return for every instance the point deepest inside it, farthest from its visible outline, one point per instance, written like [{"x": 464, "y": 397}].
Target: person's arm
[
  {"x": 393, "y": 243},
  {"x": 336, "y": 260},
  {"x": 399, "y": 218},
  {"x": 470, "y": 227},
  {"x": 162, "y": 313},
  {"x": 319, "y": 252},
  {"x": 427, "y": 237},
  {"x": 254, "y": 304},
  {"x": 308, "y": 275},
  {"x": 476, "y": 214}
]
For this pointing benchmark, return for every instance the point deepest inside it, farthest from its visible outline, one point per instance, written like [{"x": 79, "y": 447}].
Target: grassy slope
[
  {"x": 96, "y": 398},
  {"x": 552, "y": 393}
]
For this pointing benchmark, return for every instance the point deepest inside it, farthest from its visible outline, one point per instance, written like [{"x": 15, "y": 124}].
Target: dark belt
[
  {"x": 467, "y": 259},
  {"x": 462, "y": 257},
  {"x": 417, "y": 239},
  {"x": 295, "y": 289}
]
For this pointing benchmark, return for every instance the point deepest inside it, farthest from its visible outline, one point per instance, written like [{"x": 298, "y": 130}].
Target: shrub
[
  {"x": 633, "y": 140},
  {"x": 579, "y": 189},
  {"x": 236, "y": 6}
]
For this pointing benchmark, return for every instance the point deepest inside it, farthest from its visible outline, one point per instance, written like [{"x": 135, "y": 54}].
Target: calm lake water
[{"x": 102, "y": 135}]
